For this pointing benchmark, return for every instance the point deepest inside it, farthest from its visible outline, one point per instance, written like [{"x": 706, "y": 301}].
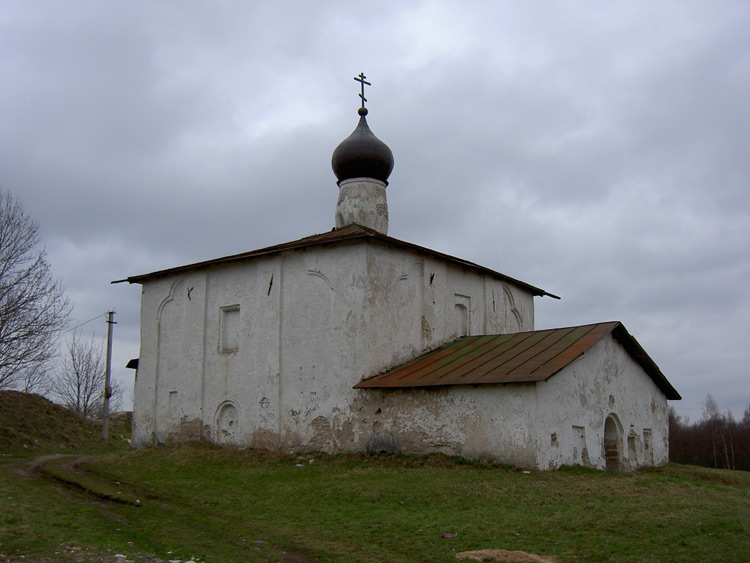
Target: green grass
[
  {"x": 223, "y": 505},
  {"x": 218, "y": 504}
]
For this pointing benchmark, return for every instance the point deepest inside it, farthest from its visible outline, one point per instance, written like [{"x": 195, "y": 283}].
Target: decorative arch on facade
[
  {"x": 228, "y": 424},
  {"x": 169, "y": 298},
  {"x": 169, "y": 320},
  {"x": 513, "y": 317},
  {"x": 322, "y": 276}
]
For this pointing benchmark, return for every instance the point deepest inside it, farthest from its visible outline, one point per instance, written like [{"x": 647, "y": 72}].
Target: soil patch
[{"x": 504, "y": 555}]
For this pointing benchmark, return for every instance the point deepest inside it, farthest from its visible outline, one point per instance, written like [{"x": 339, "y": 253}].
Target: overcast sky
[{"x": 599, "y": 151}]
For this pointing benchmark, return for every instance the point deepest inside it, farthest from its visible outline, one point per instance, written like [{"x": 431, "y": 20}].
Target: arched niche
[{"x": 228, "y": 424}]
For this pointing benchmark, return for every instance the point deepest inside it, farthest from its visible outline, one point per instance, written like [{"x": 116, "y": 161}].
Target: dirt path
[
  {"x": 78, "y": 493},
  {"x": 32, "y": 466}
]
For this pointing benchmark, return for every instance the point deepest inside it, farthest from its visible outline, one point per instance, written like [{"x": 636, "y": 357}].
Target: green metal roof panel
[{"x": 511, "y": 358}]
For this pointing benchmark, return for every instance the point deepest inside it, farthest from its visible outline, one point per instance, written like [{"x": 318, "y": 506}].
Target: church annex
[{"x": 352, "y": 340}]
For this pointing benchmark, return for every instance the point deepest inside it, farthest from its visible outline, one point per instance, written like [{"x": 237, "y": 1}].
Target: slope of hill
[{"x": 32, "y": 423}]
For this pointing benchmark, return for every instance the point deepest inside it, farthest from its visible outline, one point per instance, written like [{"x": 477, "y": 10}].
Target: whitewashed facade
[
  {"x": 282, "y": 339},
  {"x": 265, "y": 352},
  {"x": 264, "y": 349}
]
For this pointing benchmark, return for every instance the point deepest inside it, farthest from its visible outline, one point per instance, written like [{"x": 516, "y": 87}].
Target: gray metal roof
[
  {"x": 351, "y": 234},
  {"x": 523, "y": 357}
]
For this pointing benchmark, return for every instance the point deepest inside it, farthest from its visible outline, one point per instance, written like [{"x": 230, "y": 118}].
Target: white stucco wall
[
  {"x": 604, "y": 382},
  {"x": 543, "y": 425},
  {"x": 485, "y": 422},
  {"x": 265, "y": 353}
]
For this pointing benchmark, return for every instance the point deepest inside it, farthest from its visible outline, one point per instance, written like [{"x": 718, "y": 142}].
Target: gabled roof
[
  {"x": 351, "y": 234},
  {"x": 521, "y": 357}
]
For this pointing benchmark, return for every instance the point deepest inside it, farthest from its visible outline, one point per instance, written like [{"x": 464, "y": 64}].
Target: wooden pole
[{"x": 107, "y": 376}]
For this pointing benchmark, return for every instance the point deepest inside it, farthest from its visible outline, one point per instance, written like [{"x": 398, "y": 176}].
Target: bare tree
[
  {"x": 715, "y": 425},
  {"x": 33, "y": 306},
  {"x": 717, "y": 440},
  {"x": 35, "y": 380},
  {"x": 80, "y": 383},
  {"x": 727, "y": 440}
]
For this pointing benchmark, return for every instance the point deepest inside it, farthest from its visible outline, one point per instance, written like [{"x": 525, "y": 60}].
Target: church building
[{"x": 352, "y": 340}]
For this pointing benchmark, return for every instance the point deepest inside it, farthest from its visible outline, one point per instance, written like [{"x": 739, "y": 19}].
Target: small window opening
[
  {"x": 172, "y": 405},
  {"x": 229, "y": 327}
]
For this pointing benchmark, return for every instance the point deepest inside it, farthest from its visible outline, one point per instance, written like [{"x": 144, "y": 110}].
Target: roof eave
[
  {"x": 349, "y": 233},
  {"x": 637, "y": 352}
]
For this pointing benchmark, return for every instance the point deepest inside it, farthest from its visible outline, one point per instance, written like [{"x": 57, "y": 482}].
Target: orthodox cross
[{"x": 362, "y": 81}]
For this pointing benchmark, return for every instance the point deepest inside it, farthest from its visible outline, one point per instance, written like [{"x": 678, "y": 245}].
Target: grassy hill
[{"x": 30, "y": 423}]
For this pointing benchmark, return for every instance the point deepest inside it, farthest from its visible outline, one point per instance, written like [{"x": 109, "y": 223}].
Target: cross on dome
[
  {"x": 362, "y": 81},
  {"x": 362, "y": 154}
]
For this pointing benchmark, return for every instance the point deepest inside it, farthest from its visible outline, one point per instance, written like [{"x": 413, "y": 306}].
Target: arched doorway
[{"x": 612, "y": 444}]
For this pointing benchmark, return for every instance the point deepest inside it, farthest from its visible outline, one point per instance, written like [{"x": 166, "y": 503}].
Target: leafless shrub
[{"x": 80, "y": 381}]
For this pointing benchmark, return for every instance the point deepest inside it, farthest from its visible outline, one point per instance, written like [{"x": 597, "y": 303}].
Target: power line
[{"x": 85, "y": 323}]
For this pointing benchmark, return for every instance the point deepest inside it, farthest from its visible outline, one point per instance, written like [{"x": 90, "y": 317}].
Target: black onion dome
[{"x": 362, "y": 155}]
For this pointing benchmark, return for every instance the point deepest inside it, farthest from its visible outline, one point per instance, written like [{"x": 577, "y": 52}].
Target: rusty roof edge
[
  {"x": 636, "y": 351},
  {"x": 479, "y": 356},
  {"x": 348, "y": 233},
  {"x": 519, "y": 346},
  {"x": 457, "y": 343},
  {"x": 416, "y": 359},
  {"x": 363, "y": 384},
  {"x": 547, "y": 346},
  {"x": 615, "y": 328},
  {"x": 591, "y": 328},
  {"x": 556, "y": 371}
]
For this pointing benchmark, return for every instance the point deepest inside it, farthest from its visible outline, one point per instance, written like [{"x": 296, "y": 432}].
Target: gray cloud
[{"x": 597, "y": 152}]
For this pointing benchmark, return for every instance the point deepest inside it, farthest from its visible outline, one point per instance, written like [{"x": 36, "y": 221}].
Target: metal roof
[
  {"x": 521, "y": 357},
  {"x": 351, "y": 234}
]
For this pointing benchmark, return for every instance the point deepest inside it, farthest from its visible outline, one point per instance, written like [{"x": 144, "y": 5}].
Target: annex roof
[
  {"x": 351, "y": 234},
  {"x": 521, "y": 357}
]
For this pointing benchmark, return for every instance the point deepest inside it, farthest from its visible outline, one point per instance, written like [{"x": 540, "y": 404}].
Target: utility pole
[{"x": 107, "y": 376}]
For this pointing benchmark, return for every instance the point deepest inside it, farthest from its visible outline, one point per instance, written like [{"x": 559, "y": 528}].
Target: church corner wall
[
  {"x": 167, "y": 392},
  {"x": 575, "y": 405},
  {"x": 416, "y": 302},
  {"x": 193, "y": 371},
  {"x": 153, "y": 295},
  {"x": 143, "y": 389}
]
